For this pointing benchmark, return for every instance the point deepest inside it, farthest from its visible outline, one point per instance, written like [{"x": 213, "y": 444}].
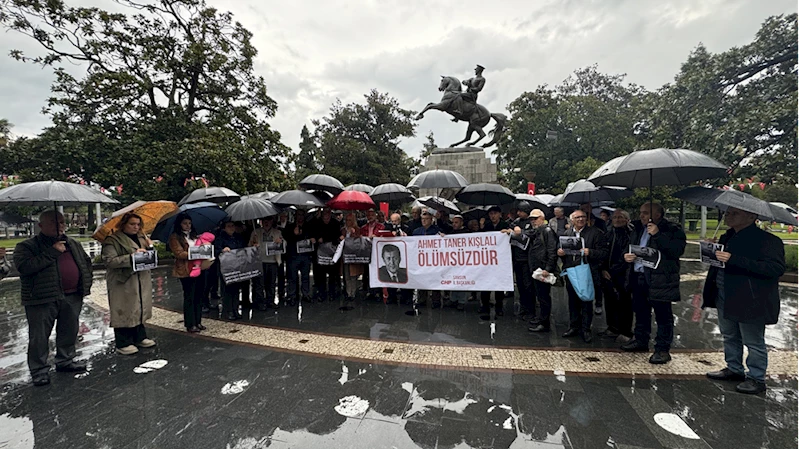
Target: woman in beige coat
[{"x": 130, "y": 293}]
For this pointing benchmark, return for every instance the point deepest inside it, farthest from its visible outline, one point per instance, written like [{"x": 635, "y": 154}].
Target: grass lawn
[{"x": 11, "y": 243}]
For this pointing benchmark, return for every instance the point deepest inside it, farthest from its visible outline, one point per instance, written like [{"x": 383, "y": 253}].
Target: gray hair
[
  {"x": 558, "y": 209},
  {"x": 623, "y": 212}
]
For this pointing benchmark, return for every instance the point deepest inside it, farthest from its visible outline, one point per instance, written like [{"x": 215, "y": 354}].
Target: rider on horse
[{"x": 465, "y": 103}]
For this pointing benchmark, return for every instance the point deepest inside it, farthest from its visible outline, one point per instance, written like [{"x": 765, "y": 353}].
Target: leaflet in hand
[
  {"x": 708, "y": 251},
  {"x": 145, "y": 260},
  {"x": 572, "y": 245},
  {"x": 272, "y": 248},
  {"x": 201, "y": 252},
  {"x": 649, "y": 257},
  {"x": 304, "y": 246}
]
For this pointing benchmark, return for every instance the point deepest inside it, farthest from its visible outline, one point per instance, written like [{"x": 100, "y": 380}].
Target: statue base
[{"x": 458, "y": 150}]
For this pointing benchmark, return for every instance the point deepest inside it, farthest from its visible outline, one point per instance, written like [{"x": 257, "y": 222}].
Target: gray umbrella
[
  {"x": 582, "y": 191},
  {"x": 658, "y": 167},
  {"x": 365, "y": 188},
  {"x": 251, "y": 209},
  {"x": 438, "y": 204},
  {"x": 211, "y": 195},
  {"x": 438, "y": 179},
  {"x": 485, "y": 194},
  {"x": 724, "y": 199},
  {"x": 392, "y": 193},
  {"x": 297, "y": 198},
  {"x": 322, "y": 182},
  {"x": 48, "y": 193},
  {"x": 262, "y": 195}
]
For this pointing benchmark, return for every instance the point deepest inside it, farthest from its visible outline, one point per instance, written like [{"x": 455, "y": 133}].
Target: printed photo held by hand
[
  {"x": 708, "y": 253},
  {"x": 649, "y": 257},
  {"x": 144, "y": 260},
  {"x": 572, "y": 246},
  {"x": 201, "y": 252}
]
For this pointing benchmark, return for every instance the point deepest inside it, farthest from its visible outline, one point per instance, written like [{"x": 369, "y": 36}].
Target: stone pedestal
[{"x": 471, "y": 162}]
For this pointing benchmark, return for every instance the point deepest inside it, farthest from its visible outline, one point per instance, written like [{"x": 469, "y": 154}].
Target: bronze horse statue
[{"x": 477, "y": 115}]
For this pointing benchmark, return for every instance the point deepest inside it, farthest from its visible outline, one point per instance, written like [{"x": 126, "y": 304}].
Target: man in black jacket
[
  {"x": 581, "y": 312},
  {"x": 519, "y": 241},
  {"x": 326, "y": 277},
  {"x": 746, "y": 294},
  {"x": 655, "y": 288},
  {"x": 297, "y": 261},
  {"x": 542, "y": 253},
  {"x": 494, "y": 223},
  {"x": 618, "y": 300},
  {"x": 55, "y": 275}
]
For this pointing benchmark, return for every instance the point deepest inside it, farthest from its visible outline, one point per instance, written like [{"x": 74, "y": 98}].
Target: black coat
[
  {"x": 618, "y": 242},
  {"x": 597, "y": 248},
  {"x": 751, "y": 276},
  {"x": 520, "y": 254},
  {"x": 542, "y": 251},
  {"x": 40, "y": 280},
  {"x": 664, "y": 282}
]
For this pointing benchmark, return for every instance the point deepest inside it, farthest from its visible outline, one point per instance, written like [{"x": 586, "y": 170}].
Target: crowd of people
[{"x": 56, "y": 275}]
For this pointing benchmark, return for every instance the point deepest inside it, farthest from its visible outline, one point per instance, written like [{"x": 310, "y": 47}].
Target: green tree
[
  {"x": 169, "y": 92},
  {"x": 359, "y": 143},
  {"x": 558, "y": 134},
  {"x": 738, "y": 106},
  {"x": 306, "y": 163},
  {"x": 5, "y": 132},
  {"x": 782, "y": 192}
]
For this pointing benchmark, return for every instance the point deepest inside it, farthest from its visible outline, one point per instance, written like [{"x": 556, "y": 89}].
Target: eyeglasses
[{"x": 579, "y": 217}]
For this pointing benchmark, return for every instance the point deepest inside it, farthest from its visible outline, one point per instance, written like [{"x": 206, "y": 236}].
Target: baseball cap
[{"x": 535, "y": 213}]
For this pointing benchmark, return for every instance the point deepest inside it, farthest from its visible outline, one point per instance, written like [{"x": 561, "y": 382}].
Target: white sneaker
[
  {"x": 146, "y": 343},
  {"x": 127, "y": 350}
]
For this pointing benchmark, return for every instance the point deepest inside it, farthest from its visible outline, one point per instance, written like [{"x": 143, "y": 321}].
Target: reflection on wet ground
[
  {"x": 212, "y": 394},
  {"x": 694, "y": 328},
  {"x": 198, "y": 392}
]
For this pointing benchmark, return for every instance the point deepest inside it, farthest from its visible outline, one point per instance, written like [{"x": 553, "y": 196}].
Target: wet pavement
[
  {"x": 695, "y": 328},
  {"x": 217, "y": 394}
]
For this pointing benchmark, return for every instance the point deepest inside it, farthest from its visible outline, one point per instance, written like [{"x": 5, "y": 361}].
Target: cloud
[{"x": 312, "y": 52}]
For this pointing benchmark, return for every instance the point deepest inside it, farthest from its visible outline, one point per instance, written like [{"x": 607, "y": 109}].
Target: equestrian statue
[{"x": 463, "y": 106}]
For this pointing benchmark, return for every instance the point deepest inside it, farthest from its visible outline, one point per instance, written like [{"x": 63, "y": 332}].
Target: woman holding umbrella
[
  {"x": 130, "y": 293},
  {"x": 183, "y": 236}
]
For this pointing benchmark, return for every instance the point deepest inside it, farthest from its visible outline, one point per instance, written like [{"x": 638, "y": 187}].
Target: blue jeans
[
  {"x": 643, "y": 308},
  {"x": 736, "y": 335}
]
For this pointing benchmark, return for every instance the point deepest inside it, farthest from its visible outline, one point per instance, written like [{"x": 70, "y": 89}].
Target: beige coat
[{"x": 130, "y": 294}]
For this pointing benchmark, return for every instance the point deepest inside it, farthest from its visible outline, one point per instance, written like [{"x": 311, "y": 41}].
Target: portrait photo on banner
[{"x": 393, "y": 266}]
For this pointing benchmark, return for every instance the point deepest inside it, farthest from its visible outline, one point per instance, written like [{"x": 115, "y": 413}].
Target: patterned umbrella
[{"x": 151, "y": 213}]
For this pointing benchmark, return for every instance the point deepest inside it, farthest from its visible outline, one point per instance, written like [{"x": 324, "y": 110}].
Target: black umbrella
[
  {"x": 475, "y": 214},
  {"x": 251, "y": 209},
  {"x": 211, "y": 195},
  {"x": 204, "y": 216},
  {"x": 297, "y": 198},
  {"x": 536, "y": 201},
  {"x": 322, "y": 182},
  {"x": 262, "y": 195},
  {"x": 438, "y": 179},
  {"x": 438, "y": 203},
  {"x": 658, "y": 167},
  {"x": 484, "y": 194},
  {"x": 365, "y": 188},
  {"x": 391, "y": 193},
  {"x": 583, "y": 191},
  {"x": 48, "y": 193},
  {"x": 724, "y": 199}
]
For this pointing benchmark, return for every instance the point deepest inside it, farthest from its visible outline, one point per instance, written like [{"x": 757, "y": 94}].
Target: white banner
[{"x": 476, "y": 262}]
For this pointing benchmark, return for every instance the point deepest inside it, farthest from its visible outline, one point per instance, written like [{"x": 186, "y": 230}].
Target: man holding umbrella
[
  {"x": 55, "y": 275},
  {"x": 746, "y": 294},
  {"x": 655, "y": 288}
]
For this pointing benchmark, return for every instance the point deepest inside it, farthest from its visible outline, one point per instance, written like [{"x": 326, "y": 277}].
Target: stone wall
[{"x": 472, "y": 163}]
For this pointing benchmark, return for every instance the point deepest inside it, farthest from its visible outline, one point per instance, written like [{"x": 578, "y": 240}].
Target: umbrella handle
[{"x": 718, "y": 225}]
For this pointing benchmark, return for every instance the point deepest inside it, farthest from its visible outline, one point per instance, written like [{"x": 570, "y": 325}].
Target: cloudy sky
[{"x": 312, "y": 52}]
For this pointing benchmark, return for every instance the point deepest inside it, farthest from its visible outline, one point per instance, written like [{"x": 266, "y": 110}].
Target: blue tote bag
[{"x": 582, "y": 280}]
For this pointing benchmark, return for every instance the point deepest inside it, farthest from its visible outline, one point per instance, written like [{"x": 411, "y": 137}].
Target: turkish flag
[{"x": 531, "y": 188}]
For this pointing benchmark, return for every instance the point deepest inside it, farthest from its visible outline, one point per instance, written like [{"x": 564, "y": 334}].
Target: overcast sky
[{"x": 312, "y": 52}]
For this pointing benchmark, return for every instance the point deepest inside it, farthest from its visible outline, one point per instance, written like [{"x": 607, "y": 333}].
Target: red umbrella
[{"x": 351, "y": 200}]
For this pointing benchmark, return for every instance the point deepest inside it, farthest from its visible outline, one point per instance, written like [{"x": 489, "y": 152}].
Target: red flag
[
  {"x": 762, "y": 185},
  {"x": 742, "y": 187},
  {"x": 531, "y": 188}
]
